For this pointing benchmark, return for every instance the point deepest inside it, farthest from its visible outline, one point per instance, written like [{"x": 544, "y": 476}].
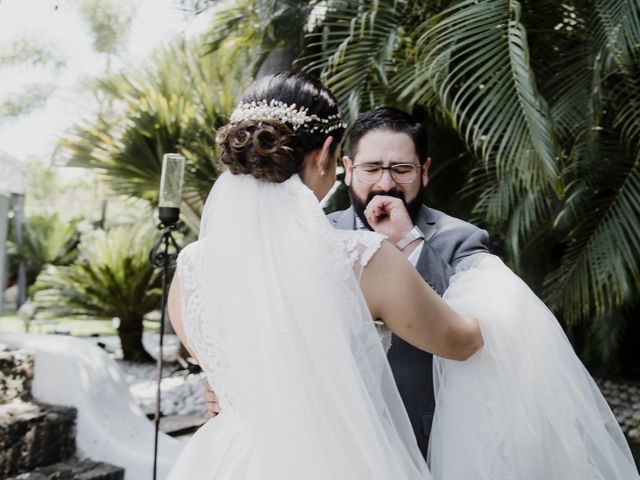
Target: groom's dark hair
[{"x": 391, "y": 119}]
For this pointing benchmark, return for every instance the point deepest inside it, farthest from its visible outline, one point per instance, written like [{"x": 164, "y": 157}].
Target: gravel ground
[
  {"x": 624, "y": 399},
  {"x": 183, "y": 395},
  {"x": 180, "y": 394}
]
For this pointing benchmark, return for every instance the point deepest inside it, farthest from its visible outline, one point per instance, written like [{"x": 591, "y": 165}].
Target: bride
[
  {"x": 277, "y": 307},
  {"x": 269, "y": 301}
]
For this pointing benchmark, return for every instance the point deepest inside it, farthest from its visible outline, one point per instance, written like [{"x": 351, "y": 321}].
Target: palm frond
[
  {"x": 617, "y": 39},
  {"x": 113, "y": 278},
  {"x": 474, "y": 57},
  {"x": 600, "y": 269},
  {"x": 356, "y": 49},
  {"x": 174, "y": 104}
]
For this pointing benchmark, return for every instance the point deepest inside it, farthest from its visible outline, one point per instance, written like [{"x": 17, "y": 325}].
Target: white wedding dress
[{"x": 272, "y": 308}]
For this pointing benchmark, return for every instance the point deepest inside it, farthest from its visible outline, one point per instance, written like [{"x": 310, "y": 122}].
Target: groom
[{"x": 387, "y": 170}]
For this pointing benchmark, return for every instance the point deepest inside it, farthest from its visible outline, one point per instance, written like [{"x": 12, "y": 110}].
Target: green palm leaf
[
  {"x": 47, "y": 240},
  {"x": 357, "y": 46},
  {"x": 111, "y": 279},
  {"x": 600, "y": 270},
  {"x": 175, "y": 104},
  {"x": 474, "y": 58}
]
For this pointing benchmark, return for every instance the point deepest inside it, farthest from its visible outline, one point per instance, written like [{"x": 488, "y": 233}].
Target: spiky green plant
[
  {"x": 47, "y": 240},
  {"x": 112, "y": 278}
]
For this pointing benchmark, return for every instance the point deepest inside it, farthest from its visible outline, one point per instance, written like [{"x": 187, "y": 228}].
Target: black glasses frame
[{"x": 391, "y": 170}]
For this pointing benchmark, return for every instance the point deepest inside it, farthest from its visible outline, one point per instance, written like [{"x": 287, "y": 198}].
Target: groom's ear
[{"x": 348, "y": 170}]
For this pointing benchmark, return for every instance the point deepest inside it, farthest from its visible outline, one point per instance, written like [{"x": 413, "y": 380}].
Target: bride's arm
[
  {"x": 175, "y": 315},
  {"x": 398, "y": 295}
]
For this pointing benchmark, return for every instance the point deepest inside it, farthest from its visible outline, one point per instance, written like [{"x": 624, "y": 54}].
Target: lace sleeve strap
[
  {"x": 185, "y": 273},
  {"x": 360, "y": 246}
]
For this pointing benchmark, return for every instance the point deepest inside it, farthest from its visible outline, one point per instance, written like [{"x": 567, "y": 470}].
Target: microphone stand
[{"x": 163, "y": 255}]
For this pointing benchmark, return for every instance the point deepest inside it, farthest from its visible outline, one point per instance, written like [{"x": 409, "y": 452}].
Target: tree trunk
[
  {"x": 130, "y": 333},
  {"x": 279, "y": 59}
]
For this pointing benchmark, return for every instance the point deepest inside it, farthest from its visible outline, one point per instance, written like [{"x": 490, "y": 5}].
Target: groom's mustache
[{"x": 391, "y": 193}]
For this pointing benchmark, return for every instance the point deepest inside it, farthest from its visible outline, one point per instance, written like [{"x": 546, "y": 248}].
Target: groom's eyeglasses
[{"x": 400, "y": 172}]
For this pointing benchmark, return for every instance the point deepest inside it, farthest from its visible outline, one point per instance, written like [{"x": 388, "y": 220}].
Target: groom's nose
[{"x": 386, "y": 182}]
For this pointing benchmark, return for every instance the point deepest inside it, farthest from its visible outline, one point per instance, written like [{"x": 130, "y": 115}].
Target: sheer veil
[
  {"x": 274, "y": 312},
  {"x": 524, "y": 407}
]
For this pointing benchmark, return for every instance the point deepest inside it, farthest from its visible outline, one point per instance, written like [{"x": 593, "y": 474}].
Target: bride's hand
[{"x": 211, "y": 399}]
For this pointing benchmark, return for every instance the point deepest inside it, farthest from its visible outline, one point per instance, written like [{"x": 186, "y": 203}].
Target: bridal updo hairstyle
[{"x": 273, "y": 150}]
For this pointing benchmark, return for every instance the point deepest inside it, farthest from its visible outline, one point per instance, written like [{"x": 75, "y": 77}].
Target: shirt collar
[{"x": 360, "y": 224}]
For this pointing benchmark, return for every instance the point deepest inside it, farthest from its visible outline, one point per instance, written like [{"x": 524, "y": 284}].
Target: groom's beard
[{"x": 412, "y": 206}]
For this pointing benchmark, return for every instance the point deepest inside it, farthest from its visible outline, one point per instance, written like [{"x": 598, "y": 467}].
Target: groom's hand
[
  {"x": 389, "y": 216},
  {"x": 211, "y": 399}
]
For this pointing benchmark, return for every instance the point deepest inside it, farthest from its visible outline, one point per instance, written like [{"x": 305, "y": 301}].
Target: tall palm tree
[{"x": 41, "y": 59}]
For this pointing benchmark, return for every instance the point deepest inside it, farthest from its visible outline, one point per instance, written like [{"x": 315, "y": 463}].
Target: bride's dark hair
[{"x": 273, "y": 150}]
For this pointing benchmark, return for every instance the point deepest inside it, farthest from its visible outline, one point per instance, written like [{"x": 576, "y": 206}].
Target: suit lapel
[
  {"x": 430, "y": 265},
  {"x": 426, "y": 222}
]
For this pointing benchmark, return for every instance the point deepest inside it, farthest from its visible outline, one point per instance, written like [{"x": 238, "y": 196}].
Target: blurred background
[{"x": 534, "y": 115}]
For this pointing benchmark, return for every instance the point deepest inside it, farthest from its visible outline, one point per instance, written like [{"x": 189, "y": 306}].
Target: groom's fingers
[
  {"x": 213, "y": 409},
  {"x": 376, "y": 209},
  {"x": 211, "y": 400},
  {"x": 380, "y": 207}
]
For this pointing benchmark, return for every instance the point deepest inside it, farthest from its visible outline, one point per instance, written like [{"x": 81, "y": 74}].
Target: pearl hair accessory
[{"x": 297, "y": 117}]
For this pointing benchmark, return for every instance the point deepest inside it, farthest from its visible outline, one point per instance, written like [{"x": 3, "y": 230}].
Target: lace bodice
[
  {"x": 203, "y": 337},
  {"x": 207, "y": 341}
]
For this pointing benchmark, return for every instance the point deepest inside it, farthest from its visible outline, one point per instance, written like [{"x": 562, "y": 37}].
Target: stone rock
[
  {"x": 75, "y": 470},
  {"x": 613, "y": 401},
  {"x": 34, "y": 435},
  {"x": 16, "y": 375}
]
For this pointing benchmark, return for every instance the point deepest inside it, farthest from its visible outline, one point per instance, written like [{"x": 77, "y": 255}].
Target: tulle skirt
[{"x": 523, "y": 407}]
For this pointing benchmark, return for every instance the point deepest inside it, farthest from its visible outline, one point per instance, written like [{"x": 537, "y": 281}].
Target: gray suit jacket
[{"x": 447, "y": 241}]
